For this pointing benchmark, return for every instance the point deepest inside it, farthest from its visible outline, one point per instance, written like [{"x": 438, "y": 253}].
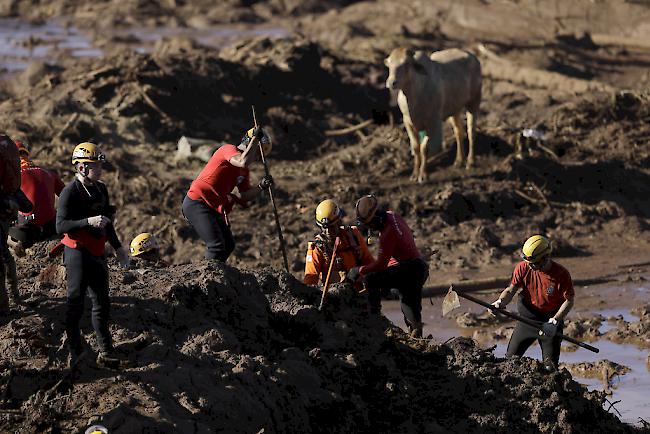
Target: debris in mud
[
  {"x": 483, "y": 319},
  {"x": 604, "y": 370},
  {"x": 635, "y": 332},
  {"x": 583, "y": 328}
]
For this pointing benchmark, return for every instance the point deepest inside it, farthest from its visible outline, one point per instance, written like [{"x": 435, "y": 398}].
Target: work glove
[
  {"x": 499, "y": 305},
  {"x": 98, "y": 221},
  {"x": 353, "y": 275},
  {"x": 549, "y": 328},
  {"x": 266, "y": 182},
  {"x": 123, "y": 257}
]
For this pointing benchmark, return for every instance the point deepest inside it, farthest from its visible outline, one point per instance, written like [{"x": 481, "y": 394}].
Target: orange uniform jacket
[{"x": 352, "y": 252}]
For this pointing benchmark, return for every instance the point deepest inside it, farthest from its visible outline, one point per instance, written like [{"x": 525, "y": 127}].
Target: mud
[
  {"x": 255, "y": 334},
  {"x": 217, "y": 348}
]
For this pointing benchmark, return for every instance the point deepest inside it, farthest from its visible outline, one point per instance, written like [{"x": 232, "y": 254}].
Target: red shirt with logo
[
  {"x": 543, "y": 290},
  {"x": 218, "y": 179},
  {"x": 40, "y": 186},
  {"x": 396, "y": 244}
]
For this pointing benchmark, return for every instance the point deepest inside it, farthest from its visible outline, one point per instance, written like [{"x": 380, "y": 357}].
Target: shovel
[{"x": 452, "y": 302}]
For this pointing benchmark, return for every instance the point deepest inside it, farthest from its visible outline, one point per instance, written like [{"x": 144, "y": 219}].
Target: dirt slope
[{"x": 219, "y": 349}]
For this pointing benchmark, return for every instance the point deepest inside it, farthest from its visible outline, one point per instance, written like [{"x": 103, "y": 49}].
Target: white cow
[{"x": 432, "y": 89}]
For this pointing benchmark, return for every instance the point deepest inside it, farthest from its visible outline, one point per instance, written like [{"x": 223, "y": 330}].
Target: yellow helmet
[
  {"x": 143, "y": 243},
  {"x": 96, "y": 429},
  {"x": 267, "y": 143},
  {"x": 366, "y": 208},
  {"x": 328, "y": 213},
  {"x": 536, "y": 248},
  {"x": 87, "y": 152}
]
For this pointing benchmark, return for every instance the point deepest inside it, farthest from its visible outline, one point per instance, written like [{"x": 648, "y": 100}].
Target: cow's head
[{"x": 401, "y": 65}]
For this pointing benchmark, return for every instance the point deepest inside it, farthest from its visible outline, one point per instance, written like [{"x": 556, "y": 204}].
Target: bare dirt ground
[{"x": 576, "y": 70}]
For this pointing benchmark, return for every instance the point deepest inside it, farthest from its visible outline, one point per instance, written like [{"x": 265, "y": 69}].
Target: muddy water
[
  {"x": 630, "y": 389},
  {"x": 21, "y": 42}
]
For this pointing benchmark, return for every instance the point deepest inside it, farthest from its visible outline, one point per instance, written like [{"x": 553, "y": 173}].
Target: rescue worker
[
  {"x": 547, "y": 296},
  {"x": 85, "y": 216},
  {"x": 40, "y": 186},
  {"x": 145, "y": 247},
  {"x": 399, "y": 263},
  {"x": 210, "y": 197},
  {"x": 351, "y": 252},
  {"x": 11, "y": 201}
]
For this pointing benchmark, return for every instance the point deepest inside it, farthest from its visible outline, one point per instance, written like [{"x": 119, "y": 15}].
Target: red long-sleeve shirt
[{"x": 396, "y": 244}]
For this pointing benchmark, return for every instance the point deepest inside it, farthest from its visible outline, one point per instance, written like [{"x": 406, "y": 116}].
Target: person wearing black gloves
[
  {"x": 84, "y": 216},
  {"x": 210, "y": 197}
]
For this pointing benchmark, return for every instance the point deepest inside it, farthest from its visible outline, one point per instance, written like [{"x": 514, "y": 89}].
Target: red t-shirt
[
  {"x": 40, "y": 186},
  {"x": 543, "y": 290},
  {"x": 396, "y": 244},
  {"x": 218, "y": 178}
]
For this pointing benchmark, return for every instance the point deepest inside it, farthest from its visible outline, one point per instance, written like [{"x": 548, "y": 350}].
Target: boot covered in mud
[
  {"x": 415, "y": 330},
  {"x": 75, "y": 357},
  {"x": 113, "y": 359}
]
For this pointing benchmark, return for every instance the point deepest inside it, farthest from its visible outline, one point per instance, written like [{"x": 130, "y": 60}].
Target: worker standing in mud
[
  {"x": 351, "y": 252},
  {"x": 210, "y": 197},
  {"x": 547, "y": 297},
  {"x": 85, "y": 217},
  {"x": 40, "y": 186},
  {"x": 12, "y": 200},
  {"x": 399, "y": 263}
]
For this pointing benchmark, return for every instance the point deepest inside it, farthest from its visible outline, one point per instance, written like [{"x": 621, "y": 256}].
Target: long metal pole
[
  {"x": 275, "y": 209},
  {"x": 531, "y": 323}
]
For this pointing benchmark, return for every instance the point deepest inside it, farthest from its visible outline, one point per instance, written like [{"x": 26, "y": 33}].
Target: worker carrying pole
[{"x": 212, "y": 196}]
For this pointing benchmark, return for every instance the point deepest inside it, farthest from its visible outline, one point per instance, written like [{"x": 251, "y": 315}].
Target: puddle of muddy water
[
  {"x": 21, "y": 42},
  {"x": 631, "y": 388}
]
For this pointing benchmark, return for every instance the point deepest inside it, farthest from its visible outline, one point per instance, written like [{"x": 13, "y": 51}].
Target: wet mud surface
[{"x": 311, "y": 69}]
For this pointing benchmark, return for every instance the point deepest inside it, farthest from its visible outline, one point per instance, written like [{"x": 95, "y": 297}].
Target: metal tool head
[{"x": 450, "y": 302}]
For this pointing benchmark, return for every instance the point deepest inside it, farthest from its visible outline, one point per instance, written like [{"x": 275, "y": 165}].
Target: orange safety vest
[{"x": 352, "y": 252}]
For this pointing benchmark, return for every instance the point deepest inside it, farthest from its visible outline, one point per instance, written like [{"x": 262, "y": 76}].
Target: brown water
[
  {"x": 21, "y": 42},
  {"x": 631, "y": 389}
]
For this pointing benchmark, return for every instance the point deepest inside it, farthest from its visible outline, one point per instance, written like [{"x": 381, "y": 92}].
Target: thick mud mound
[{"x": 214, "y": 349}]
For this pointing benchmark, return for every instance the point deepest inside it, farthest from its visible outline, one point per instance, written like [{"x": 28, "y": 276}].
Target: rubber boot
[
  {"x": 416, "y": 330},
  {"x": 112, "y": 359}
]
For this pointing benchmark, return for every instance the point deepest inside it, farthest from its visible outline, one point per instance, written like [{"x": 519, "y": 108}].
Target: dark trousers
[
  {"x": 85, "y": 272},
  {"x": 408, "y": 277},
  {"x": 211, "y": 227},
  {"x": 28, "y": 234},
  {"x": 524, "y": 335}
]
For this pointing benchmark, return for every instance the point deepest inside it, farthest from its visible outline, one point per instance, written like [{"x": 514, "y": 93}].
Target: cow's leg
[
  {"x": 433, "y": 141},
  {"x": 471, "y": 135},
  {"x": 456, "y": 123},
  {"x": 415, "y": 149}
]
